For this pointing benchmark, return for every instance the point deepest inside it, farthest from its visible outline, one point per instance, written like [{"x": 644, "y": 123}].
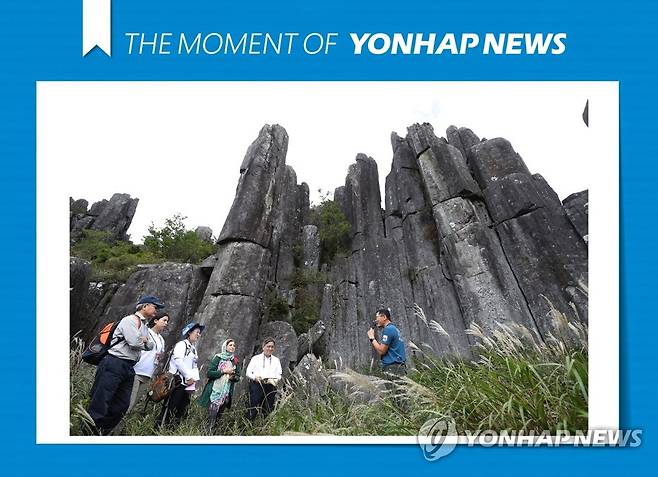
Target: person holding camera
[{"x": 264, "y": 372}]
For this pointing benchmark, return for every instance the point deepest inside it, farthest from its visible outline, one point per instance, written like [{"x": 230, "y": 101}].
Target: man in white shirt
[{"x": 264, "y": 372}]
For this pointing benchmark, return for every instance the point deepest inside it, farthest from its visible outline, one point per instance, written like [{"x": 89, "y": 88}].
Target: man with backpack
[{"x": 110, "y": 394}]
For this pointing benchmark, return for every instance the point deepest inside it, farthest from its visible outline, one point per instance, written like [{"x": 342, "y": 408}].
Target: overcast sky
[{"x": 178, "y": 146}]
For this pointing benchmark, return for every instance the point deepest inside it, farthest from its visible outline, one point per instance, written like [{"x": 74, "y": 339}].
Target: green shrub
[
  {"x": 110, "y": 260},
  {"x": 334, "y": 229},
  {"x": 278, "y": 309},
  {"x": 174, "y": 242},
  {"x": 306, "y": 311},
  {"x": 117, "y": 260}
]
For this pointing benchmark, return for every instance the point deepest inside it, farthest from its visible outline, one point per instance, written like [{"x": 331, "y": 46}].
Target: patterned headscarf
[
  {"x": 221, "y": 389},
  {"x": 225, "y": 355}
]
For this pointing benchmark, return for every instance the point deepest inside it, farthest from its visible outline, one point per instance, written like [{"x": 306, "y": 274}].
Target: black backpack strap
[
  {"x": 123, "y": 338},
  {"x": 188, "y": 348}
]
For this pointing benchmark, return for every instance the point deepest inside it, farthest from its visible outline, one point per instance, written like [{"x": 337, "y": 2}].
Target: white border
[{"x": 53, "y": 272}]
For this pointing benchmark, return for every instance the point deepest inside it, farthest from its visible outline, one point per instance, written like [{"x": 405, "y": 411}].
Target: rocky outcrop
[
  {"x": 310, "y": 248},
  {"x": 262, "y": 177},
  {"x": 467, "y": 240},
  {"x": 576, "y": 206},
  {"x": 544, "y": 251},
  {"x": 112, "y": 216},
  {"x": 204, "y": 233},
  {"x": 180, "y": 286},
  {"x": 92, "y": 314},
  {"x": 255, "y": 258},
  {"x": 310, "y": 379},
  {"x": 309, "y": 342},
  {"x": 79, "y": 273},
  {"x": 88, "y": 300},
  {"x": 468, "y": 235}
]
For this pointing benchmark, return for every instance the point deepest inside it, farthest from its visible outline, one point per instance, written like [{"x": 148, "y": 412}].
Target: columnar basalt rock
[
  {"x": 257, "y": 244},
  {"x": 467, "y": 234},
  {"x": 309, "y": 342},
  {"x": 540, "y": 244},
  {"x": 576, "y": 206},
  {"x": 411, "y": 227},
  {"x": 471, "y": 255},
  {"x": 310, "y": 248},
  {"x": 461, "y": 138},
  {"x": 262, "y": 177}
]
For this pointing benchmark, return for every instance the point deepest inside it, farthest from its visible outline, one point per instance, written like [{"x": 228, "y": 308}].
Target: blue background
[{"x": 41, "y": 40}]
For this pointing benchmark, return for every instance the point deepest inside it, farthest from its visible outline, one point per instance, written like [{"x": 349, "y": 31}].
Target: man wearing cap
[
  {"x": 110, "y": 394},
  {"x": 183, "y": 365},
  {"x": 391, "y": 349}
]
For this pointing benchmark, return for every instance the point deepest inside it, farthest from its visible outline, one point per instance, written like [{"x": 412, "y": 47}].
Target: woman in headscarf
[{"x": 223, "y": 373}]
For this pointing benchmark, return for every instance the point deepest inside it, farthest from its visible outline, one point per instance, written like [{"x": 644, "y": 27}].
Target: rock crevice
[{"x": 467, "y": 234}]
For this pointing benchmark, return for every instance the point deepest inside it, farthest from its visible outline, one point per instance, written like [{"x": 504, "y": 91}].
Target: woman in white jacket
[
  {"x": 183, "y": 366},
  {"x": 149, "y": 360}
]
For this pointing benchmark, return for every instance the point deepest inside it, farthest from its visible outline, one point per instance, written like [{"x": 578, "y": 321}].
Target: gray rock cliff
[
  {"x": 112, "y": 216},
  {"x": 465, "y": 232}
]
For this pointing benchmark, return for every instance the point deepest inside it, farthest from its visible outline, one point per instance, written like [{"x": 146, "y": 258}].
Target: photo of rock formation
[{"x": 465, "y": 232}]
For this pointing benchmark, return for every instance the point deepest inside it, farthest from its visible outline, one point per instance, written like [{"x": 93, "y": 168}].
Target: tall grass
[{"x": 518, "y": 381}]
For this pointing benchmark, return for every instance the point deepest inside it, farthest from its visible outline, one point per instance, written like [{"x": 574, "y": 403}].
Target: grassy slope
[{"x": 517, "y": 383}]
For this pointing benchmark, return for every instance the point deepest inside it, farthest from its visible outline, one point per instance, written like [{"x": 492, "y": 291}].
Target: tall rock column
[
  {"x": 471, "y": 253},
  {"x": 367, "y": 278},
  {"x": 543, "y": 249},
  {"x": 410, "y": 226},
  {"x": 234, "y": 300}
]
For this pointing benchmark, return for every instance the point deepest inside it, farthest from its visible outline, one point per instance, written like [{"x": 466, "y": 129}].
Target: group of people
[{"x": 138, "y": 350}]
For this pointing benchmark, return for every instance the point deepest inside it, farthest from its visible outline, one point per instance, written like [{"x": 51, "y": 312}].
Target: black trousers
[
  {"x": 175, "y": 407},
  {"x": 110, "y": 394},
  {"x": 262, "y": 398}
]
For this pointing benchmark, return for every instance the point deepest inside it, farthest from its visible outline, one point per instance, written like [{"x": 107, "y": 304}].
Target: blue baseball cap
[
  {"x": 151, "y": 299},
  {"x": 190, "y": 327}
]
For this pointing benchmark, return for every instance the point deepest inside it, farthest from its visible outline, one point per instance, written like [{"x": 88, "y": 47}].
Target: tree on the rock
[{"x": 174, "y": 242}]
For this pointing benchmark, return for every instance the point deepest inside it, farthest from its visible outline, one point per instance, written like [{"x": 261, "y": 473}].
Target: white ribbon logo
[{"x": 96, "y": 26}]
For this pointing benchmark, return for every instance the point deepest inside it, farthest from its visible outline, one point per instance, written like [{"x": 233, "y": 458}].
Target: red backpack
[{"x": 102, "y": 343}]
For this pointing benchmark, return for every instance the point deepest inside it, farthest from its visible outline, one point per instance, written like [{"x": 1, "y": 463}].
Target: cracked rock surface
[{"x": 465, "y": 232}]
